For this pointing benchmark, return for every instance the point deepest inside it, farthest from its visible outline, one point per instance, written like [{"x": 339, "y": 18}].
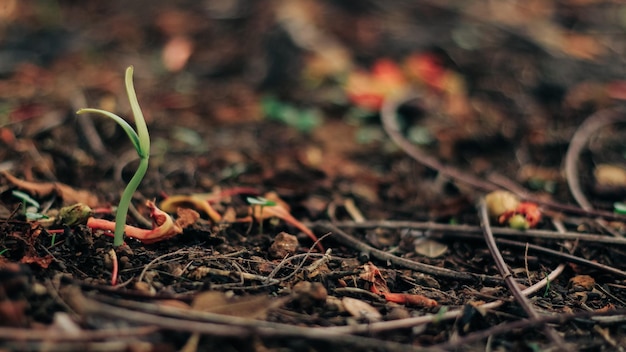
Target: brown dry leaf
[
  {"x": 372, "y": 274},
  {"x": 186, "y": 217},
  {"x": 65, "y": 192},
  {"x": 581, "y": 283},
  {"x": 43, "y": 262},
  {"x": 430, "y": 248},
  {"x": 253, "y": 307},
  {"x": 361, "y": 310}
]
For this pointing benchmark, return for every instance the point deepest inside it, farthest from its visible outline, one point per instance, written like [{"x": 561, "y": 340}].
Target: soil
[{"x": 330, "y": 166}]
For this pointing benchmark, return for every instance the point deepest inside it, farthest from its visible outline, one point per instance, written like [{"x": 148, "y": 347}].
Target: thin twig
[
  {"x": 391, "y": 127},
  {"x": 50, "y": 335},
  {"x": 500, "y": 231},
  {"x": 344, "y": 238},
  {"x": 217, "y": 324},
  {"x": 593, "y": 123},
  {"x": 382, "y": 326},
  {"x": 517, "y": 325},
  {"x": 390, "y": 124},
  {"x": 556, "y": 254},
  {"x": 521, "y": 299}
]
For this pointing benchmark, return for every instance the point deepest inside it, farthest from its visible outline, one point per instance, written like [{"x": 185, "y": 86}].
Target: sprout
[{"x": 141, "y": 141}]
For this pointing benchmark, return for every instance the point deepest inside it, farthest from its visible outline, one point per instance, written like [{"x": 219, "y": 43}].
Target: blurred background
[{"x": 286, "y": 93}]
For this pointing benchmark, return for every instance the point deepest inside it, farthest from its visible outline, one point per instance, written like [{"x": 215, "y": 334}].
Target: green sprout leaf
[
  {"x": 141, "y": 141},
  {"x": 132, "y": 135},
  {"x": 260, "y": 201},
  {"x": 26, "y": 199},
  {"x": 619, "y": 208}
]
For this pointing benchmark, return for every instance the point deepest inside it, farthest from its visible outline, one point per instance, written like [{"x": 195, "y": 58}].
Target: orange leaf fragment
[{"x": 410, "y": 299}]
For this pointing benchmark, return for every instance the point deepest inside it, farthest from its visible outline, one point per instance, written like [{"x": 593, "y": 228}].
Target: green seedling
[
  {"x": 261, "y": 202},
  {"x": 141, "y": 141},
  {"x": 619, "y": 208},
  {"x": 4, "y": 251},
  {"x": 30, "y": 206}
]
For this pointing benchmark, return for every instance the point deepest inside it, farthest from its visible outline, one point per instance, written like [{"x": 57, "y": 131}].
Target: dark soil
[{"x": 297, "y": 102}]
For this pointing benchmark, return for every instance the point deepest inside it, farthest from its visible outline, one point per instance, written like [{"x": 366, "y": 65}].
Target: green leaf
[
  {"x": 132, "y": 135},
  {"x": 140, "y": 122},
  {"x": 260, "y": 201},
  {"x": 26, "y": 198},
  {"x": 619, "y": 208}
]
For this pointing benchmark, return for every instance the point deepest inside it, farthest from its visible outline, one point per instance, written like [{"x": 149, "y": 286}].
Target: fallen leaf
[
  {"x": 43, "y": 262},
  {"x": 253, "y": 307},
  {"x": 65, "y": 192},
  {"x": 361, "y": 310},
  {"x": 199, "y": 203},
  {"x": 430, "y": 248},
  {"x": 372, "y": 274},
  {"x": 580, "y": 283}
]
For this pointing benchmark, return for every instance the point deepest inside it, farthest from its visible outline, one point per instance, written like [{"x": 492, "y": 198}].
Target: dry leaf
[
  {"x": 43, "y": 262},
  {"x": 580, "y": 283},
  {"x": 373, "y": 275},
  {"x": 65, "y": 192},
  {"x": 361, "y": 310},
  {"x": 199, "y": 203},
  {"x": 253, "y": 307},
  {"x": 430, "y": 248}
]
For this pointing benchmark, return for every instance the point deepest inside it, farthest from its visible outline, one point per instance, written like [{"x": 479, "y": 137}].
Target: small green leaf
[
  {"x": 134, "y": 138},
  {"x": 260, "y": 201},
  {"x": 140, "y": 122},
  {"x": 26, "y": 198},
  {"x": 35, "y": 216},
  {"x": 619, "y": 208}
]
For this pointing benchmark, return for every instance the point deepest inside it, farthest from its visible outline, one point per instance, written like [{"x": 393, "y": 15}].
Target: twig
[
  {"x": 517, "y": 325},
  {"x": 593, "y": 123},
  {"x": 556, "y": 254},
  {"x": 382, "y": 326},
  {"x": 500, "y": 231},
  {"x": 18, "y": 334},
  {"x": 217, "y": 324},
  {"x": 157, "y": 259},
  {"x": 348, "y": 240},
  {"x": 300, "y": 265},
  {"x": 521, "y": 299},
  {"x": 390, "y": 125}
]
